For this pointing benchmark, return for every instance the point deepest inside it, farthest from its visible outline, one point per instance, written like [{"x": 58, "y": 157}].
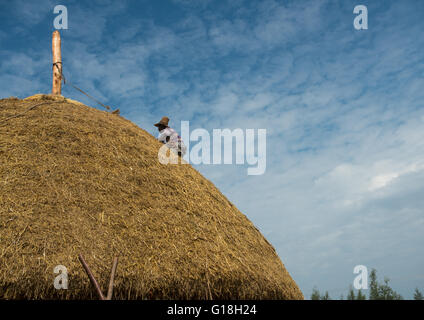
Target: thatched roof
[{"x": 78, "y": 180}]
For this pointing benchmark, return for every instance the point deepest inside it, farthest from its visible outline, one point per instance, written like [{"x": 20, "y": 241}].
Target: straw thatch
[{"x": 74, "y": 179}]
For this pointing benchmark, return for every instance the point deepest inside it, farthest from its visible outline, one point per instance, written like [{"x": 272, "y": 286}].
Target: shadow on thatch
[{"x": 78, "y": 180}]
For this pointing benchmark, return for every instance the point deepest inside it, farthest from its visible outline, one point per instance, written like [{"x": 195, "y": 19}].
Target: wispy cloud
[{"x": 343, "y": 109}]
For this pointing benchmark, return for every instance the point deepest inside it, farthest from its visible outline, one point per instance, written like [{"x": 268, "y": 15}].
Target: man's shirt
[{"x": 173, "y": 137}]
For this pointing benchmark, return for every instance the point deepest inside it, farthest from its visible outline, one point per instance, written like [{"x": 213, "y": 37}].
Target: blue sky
[{"x": 343, "y": 109}]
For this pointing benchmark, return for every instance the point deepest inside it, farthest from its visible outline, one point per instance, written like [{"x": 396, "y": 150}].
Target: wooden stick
[
  {"x": 57, "y": 64},
  {"x": 112, "y": 278},
  {"x": 91, "y": 276}
]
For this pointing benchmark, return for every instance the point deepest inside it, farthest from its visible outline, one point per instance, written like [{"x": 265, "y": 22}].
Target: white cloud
[
  {"x": 31, "y": 13},
  {"x": 343, "y": 112}
]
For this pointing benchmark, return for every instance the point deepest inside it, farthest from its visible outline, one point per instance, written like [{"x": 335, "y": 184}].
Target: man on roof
[{"x": 170, "y": 137}]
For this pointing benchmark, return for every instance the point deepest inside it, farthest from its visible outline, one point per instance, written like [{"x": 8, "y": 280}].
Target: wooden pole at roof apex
[{"x": 57, "y": 64}]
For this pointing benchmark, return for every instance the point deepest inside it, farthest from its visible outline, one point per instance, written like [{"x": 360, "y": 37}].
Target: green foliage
[
  {"x": 315, "y": 294},
  {"x": 418, "y": 295},
  {"x": 373, "y": 285},
  {"x": 360, "y": 296},
  {"x": 326, "y": 296},
  {"x": 387, "y": 293},
  {"x": 381, "y": 291},
  {"x": 377, "y": 291},
  {"x": 351, "y": 294}
]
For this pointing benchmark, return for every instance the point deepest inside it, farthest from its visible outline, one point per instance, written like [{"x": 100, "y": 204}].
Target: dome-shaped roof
[{"x": 78, "y": 180}]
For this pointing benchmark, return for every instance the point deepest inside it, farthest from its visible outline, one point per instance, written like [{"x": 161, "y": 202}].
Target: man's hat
[{"x": 164, "y": 121}]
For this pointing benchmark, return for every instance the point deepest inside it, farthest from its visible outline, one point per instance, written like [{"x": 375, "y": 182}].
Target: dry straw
[{"x": 74, "y": 180}]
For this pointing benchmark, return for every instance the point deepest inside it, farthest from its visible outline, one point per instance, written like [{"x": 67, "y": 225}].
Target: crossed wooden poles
[{"x": 95, "y": 283}]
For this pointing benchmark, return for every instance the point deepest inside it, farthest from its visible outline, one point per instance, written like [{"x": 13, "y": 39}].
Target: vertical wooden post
[{"x": 57, "y": 64}]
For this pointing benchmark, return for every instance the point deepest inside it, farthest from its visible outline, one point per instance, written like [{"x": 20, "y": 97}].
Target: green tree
[
  {"x": 326, "y": 296},
  {"x": 387, "y": 293},
  {"x": 373, "y": 285},
  {"x": 418, "y": 295},
  {"x": 351, "y": 294},
  {"x": 360, "y": 296},
  {"x": 381, "y": 291},
  {"x": 378, "y": 291},
  {"x": 315, "y": 294}
]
